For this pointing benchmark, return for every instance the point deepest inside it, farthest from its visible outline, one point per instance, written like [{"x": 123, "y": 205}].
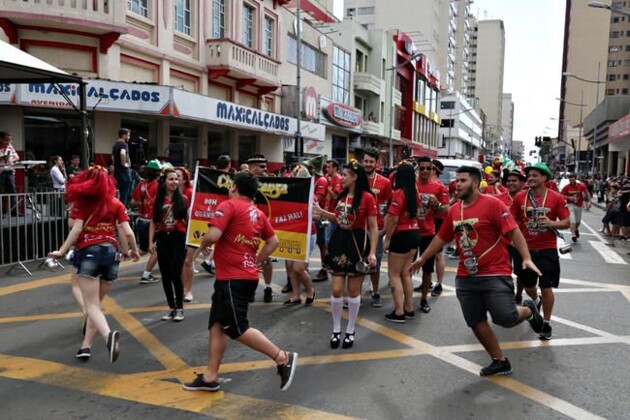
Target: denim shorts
[{"x": 98, "y": 260}]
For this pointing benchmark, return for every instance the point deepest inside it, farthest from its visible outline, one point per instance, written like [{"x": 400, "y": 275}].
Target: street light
[
  {"x": 598, "y": 82},
  {"x": 600, "y": 5},
  {"x": 581, "y": 105}
]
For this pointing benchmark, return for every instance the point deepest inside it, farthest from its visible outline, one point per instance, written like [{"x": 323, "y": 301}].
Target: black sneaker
[
  {"x": 376, "y": 300},
  {"x": 424, "y": 306},
  {"x": 518, "y": 299},
  {"x": 84, "y": 354},
  {"x": 169, "y": 315},
  {"x": 322, "y": 275},
  {"x": 437, "y": 290},
  {"x": 287, "y": 371},
  {"x": 200, "y": 385},
  {"x": 497, "y": 367},
  {"x": 392, "y": 317},
  {"x": 148, "y": 279},
  {"x": 535, "y": 320},
  {"x": 417, "y": 288},
  {"x": 113, "y": 345},
  {"x": 574, "y": 238},
  {"x": 208, "y": 267},
  {"x": 545, "y": 333},
  {"x": 410, "y": 315},
  {"x": 577, "y": 232},
  {"x": 268, "y": 296}
]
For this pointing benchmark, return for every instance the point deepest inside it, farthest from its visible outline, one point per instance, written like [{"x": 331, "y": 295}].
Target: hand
[
  {"x": 152, "y": 248},
  {"x": 134, "y": 255},
  {"x": 205, "y": 250},
  {"x": 530, "y": 264},
  {"x": 371, "y": 260},
  {"x": 317, "y": 210},
  {"x": 544, "y": 222},
  {"x": 386, "y": 245},
  {"x": 56, "y": 254},
  {"x": 416, "y": 266}
]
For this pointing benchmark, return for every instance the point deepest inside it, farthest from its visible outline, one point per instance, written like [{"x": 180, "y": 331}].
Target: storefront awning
[{"x": 17, "y": 66}]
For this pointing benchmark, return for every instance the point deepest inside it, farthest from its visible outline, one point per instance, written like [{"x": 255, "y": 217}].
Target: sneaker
[
  {"x": 497, "y": 367},
  {"x": 113, "y": 345},
  {"x": 577, "y": 232},
  {"x": 148, "y": 279},
  {"x": 437, "y": 290},
  {"x": 545, "y": 333},
  {"x": 418, "y": 288},
  {"x": 392, "y": 317},
  {"x": 200, "y": 385},
  {"x": 84, "y": 354},
  {"x": 287, "y": 371},
  {"x": 535, "y": 320},
  {"x": 208, "y": 267},
  {"x": 454, "y": 255},
  {"x": 574, "y": 238},
  {"x": 268, "y": 297},
  {"x": 424, "y": 306},
  {"x": 169, "y": 316},
  {"x": 179, "y": 315},
  {"x": 376, "y": 300},
  {"x": 188, "y": 297},
  {"x": 410, "y": 315},
  {"x": 322, "y": 275}
]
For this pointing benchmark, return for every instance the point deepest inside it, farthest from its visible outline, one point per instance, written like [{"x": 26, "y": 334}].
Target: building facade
[
  {"x": 461, "y": 134},
  {"x": 507, "y": 124}
]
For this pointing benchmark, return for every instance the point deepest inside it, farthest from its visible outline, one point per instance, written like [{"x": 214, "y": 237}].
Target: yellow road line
[
  {"x": 34, "y": 284},
  {"x": 42, "y": 317},
  {"x": 147, "y": 390}
]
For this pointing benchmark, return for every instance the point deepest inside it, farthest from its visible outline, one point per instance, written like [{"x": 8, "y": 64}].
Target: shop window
[
  {"x": 246, "y": 147},
  {"x": 312, "y": 60},
  {"x": 218, "y": 144},
  {"x": 218, "y": 19},
  {"x": 186, "y": 134},
  {"x": 182, "y": 16},
  {"x": 139, "y": 7}
]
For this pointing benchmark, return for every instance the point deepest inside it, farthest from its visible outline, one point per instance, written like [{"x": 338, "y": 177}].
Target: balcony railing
[
  {"x": 242, "y": 62},
  {"x": 372, "y": 127},
  {"x": 396, "y": 134},
  {"x": 368, "y": 82},
  {"x": 397, "y": 97},
  {"x": 95, "y": 16}
]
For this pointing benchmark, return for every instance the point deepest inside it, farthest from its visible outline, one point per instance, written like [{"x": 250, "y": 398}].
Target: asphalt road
[{"x": 425, "y": 368}]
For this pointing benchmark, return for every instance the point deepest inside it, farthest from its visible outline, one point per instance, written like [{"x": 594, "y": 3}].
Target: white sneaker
[
  {"x": 188, "y": 297},
  {"x": 179, "y": 315},
  {"x": 169, "y": 316}
]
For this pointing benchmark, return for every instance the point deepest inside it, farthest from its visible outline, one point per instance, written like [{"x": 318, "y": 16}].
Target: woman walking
[
  {"x": 168, "y": 228},
  {"x": 352, "y": 247},
  {"x": 96, "y": 213},
  {"x": 402, "y": 239}
]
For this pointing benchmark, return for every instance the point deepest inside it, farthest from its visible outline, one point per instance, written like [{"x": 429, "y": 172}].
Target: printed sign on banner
[
  {"x": 7, "y": 93},
  {"x": 287, "y": 202}
]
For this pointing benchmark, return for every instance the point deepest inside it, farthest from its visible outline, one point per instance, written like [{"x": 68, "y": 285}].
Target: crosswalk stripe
[{"x": 608, "y": 254}]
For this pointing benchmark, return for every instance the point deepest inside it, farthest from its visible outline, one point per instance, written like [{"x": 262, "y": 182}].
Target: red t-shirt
[
  {"x": 495, "y": 189},
  {"x": 426, "y": 220},
  {"x": 444, "y": 198},
  {"x": 382, "y": 189},
  {"x": 398, "y": 207},
  {"x": 552, "y": 185},
  {"x": 552, "y": 206},
  {"x": 452, "y": 187},
  {"x": 99, "y": 229},
  {"x": 347, "y": 219},
  {"x": 486, "y": 222},
  {"x": 321, "y": 189},
  {"x": 505, "y": 198},
  {"x": 188, "y": 193},
  {"x": 336, "y": 184},
  {"x": 144, "y": 194},
  {"x": 574, "y": 194},
  {"x": 168, "y": 222},
  {"x": 243, "y": 226}
]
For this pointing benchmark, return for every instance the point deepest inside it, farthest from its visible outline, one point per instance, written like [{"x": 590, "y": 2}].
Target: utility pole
[{"x": 299, "y": 141}]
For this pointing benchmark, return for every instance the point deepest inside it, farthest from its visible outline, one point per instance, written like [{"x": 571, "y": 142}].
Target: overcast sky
[{"x": 534, "y": 32}]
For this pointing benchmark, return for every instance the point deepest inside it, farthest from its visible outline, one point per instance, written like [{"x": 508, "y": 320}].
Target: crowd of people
[{"x": 497, "y": 225}]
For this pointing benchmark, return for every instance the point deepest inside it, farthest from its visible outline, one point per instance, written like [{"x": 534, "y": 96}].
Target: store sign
[
  {"x": 105, "y": 95},
  {"x": 7, "y": 93},
  {"x": 310, "y": 103},
  {"x": 251, "y": 117},
  {"x": 344, "y": 115}
]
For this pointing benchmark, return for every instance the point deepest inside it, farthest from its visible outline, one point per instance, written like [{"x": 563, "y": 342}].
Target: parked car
[{"x": 450, "y": 168}]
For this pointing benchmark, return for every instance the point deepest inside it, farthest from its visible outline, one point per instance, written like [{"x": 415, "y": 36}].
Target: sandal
[
  {"x": 292, "y": 302},
  {"x": 348, "y": 341},
  {"x": 335, "y": 340},
  {"x": 309, "y": 300}
]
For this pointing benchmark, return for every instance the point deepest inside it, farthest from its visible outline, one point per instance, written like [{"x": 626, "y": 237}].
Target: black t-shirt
[{"x": 118, "y": 146}]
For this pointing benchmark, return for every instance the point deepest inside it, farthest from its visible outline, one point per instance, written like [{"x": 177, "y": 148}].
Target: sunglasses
[
  {"x": 424, "y": 168},
  {"x": 262, "y": 165}
]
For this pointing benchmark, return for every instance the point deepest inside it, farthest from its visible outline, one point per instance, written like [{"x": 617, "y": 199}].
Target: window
[
  {"x": 624, "y": 91},
  {"x": 447, "y": 105},
  {"x": 365, "y": 11},
  {"x": 626, "y": 76},
  {"x": 248, "y": 26},
  {"x": 610, "y": 92},
  {"x": 612, "y": 77},
  {"x": 615, "y": 34},
  {"x": 614, "y": 48},
  {"x": 626, "y": 62},
  {"x": 312, "y": 60},
  {"x": 612, "y": 63},
  {"x": 341, "y": 76},
  {"x": 351, "y": 12},
  {"x": 218, "y": 18},
  {"x": 182, "y": 16},
  {"x": 268, "y": 36},
  {"x": 139, "y": 7}
]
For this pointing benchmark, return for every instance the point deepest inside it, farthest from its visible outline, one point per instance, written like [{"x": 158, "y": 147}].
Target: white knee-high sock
[
  {"x": 336, "y": 304},
  {"x": 354, "y": 303}
]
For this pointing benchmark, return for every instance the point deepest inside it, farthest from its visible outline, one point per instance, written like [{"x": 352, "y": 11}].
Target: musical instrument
[{"x": 315, "y": 165}]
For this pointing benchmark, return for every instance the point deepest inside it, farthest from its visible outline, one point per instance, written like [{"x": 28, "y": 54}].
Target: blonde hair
[{"x": 300, "y": 172}]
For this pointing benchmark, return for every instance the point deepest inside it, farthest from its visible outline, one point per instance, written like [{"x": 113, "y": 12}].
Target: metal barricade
[{"x": 31, "y": 225}]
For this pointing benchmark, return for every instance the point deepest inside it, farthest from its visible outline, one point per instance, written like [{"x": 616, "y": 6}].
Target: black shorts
[
  {"x": 230, "y": 301},
  {"x": 321, "y": 233},
  {"x": 142, "y": 234},
  {"x": 404, "y": 241},
  {"x": 479, "y": 295},
  {"x": 548, "y": 262},
  {"x": 517, "y": 261},
  {"x": 429, "y": 265}
]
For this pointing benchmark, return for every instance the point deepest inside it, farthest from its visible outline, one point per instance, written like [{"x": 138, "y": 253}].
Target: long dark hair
[
  {"x": 179, "y": 204},
  {"x": 406, "y": 181},
  {"x": 362, "y": 185}
]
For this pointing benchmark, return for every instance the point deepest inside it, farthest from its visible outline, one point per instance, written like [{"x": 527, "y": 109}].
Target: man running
[{"x": 576, "y": 194}]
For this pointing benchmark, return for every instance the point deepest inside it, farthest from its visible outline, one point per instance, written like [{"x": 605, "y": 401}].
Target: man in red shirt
[
  {"x": 433, "y": 201},
  {"x": 438, "y": 168},
  {"x": 540, "y": 212},
  {"x": 480, "y": 225},
  {"x": 237, "y": 229},
  {"x": 575, "y": 194},
  {"x": 382, "y": 189}
]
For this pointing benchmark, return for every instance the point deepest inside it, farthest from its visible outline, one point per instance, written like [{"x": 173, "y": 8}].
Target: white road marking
[
  {"x": 607, "y": 253},
  {"x": 597, "y": 235}
]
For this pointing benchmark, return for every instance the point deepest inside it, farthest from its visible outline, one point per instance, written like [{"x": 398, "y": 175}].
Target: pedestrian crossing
[{"x": 594, "y": 249}]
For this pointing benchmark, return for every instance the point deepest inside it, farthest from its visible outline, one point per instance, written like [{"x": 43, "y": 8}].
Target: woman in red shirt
[
  {"x": 168, "y": 227},
  {"x": 351, "y": 251},
  {"x": 96, "y": 213},
  {"x": 402, "y": 239},
  {"x": 185, "y": 183}
]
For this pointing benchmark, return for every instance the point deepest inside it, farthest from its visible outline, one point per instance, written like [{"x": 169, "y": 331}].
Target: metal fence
[{"x": 31, "y": 225}]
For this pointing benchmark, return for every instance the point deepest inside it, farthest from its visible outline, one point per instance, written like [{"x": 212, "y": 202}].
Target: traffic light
[
  {"x": 546, "y": 138},
  {"x": 538, "y": 142}
]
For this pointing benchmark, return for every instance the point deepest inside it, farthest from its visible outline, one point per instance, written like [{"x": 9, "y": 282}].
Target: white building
[
  {"x": 507, "y": 123},
  {"x": 462, "y": 129}
]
